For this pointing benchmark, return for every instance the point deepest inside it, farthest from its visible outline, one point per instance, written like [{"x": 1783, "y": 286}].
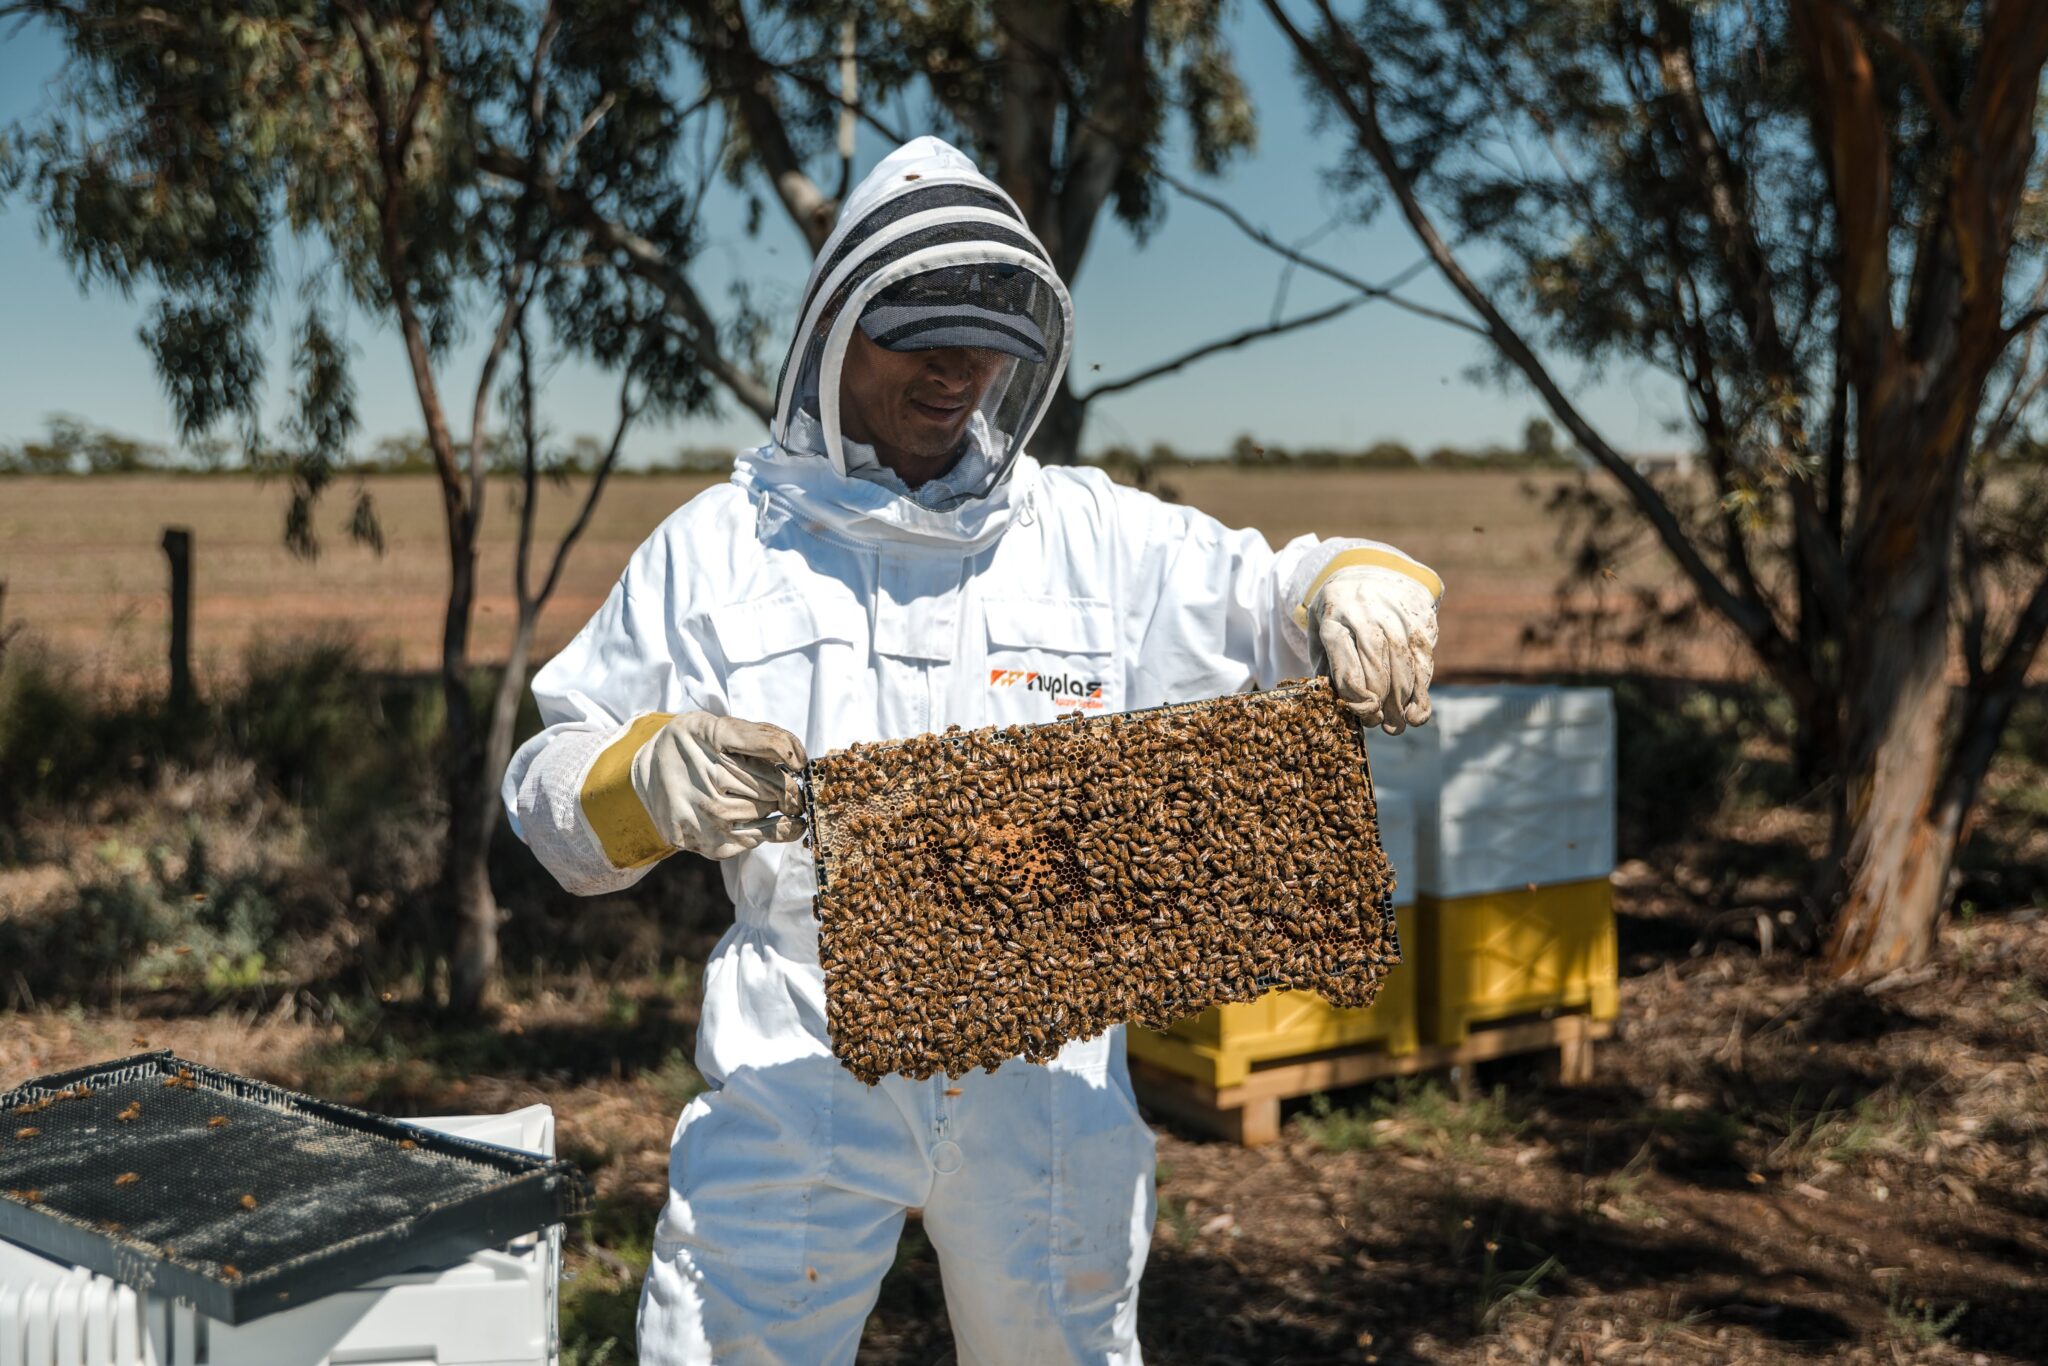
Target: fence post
[{"x": 178, "y": 547}]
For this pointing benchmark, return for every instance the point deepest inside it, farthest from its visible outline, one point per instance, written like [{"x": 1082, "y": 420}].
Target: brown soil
[{"x": 1766, "y": 1168}]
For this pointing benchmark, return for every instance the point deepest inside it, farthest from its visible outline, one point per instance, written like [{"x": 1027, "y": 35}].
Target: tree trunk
[
  {"x": 1898, "y": 836},
  {"x": 1817, "y": 736},
  {"x": 1058, "y": 439},
  {"x": 466, "y": 878},
  {"x": 475, "y": 967}
]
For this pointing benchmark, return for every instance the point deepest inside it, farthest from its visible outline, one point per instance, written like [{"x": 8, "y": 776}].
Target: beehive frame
[{"x": 997, "y": 893}]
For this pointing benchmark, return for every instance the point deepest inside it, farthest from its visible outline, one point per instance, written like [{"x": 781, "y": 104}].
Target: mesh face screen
[{"x": 992, "y": 894}]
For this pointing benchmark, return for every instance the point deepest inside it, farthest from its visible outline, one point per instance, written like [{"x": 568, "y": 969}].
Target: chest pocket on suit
[
  {"x": 793, "y": 661},
  {"x": 1050, "y": 655}
]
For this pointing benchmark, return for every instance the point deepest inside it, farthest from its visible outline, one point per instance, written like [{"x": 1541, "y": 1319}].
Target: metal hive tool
[
  {"x": 989, "y": 894},
  {"x": 245, "y": 1198}
]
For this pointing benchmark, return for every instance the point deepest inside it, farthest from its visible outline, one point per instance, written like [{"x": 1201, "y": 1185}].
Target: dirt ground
[
  {"x": 83, "y": 569},
  {"x": 1765, "y": 1168}
]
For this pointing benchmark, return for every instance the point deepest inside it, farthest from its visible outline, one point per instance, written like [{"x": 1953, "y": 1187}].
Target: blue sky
[{"x": 1374, "y": 373}]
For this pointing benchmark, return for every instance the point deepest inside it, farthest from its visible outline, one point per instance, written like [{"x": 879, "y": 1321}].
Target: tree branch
[
  {"x": 1849, "y": 136},
  {"x": 1095, "y": 143},
  {"x": 648, "y": 262},
  {"x": 726, "y": 48},
  {"x": 516, "y": 280},
  {"x": 423, "y": 19},
  {"x": 2020, "y": 326},
  {"x": 397, "y": 272},
  {"x": 1362, "y": 112},
  {"x": 1923, "y": 74},
  {"x": 1234, "y": 340},
  {"x": 628, "y": 412},
  {"x": 1306, "y": 262}
]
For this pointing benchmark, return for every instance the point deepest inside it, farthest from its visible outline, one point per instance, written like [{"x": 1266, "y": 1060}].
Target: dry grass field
[{"x": 83, "y": 570}]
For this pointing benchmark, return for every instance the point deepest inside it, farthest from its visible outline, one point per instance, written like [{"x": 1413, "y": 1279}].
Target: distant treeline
[
  {"x": 1539, "y": 450},
  {"x": 76, "y": 447}
]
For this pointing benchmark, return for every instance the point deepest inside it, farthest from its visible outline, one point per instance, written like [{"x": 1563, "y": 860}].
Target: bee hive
[{"x": 990, "y": 894}]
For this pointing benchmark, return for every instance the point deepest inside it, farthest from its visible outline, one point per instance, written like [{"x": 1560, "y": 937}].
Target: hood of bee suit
[{"x": 923, "y": 217}]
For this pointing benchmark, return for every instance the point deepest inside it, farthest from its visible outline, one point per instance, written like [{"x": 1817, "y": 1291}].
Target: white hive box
[
  {"x": 1394, "y": 812},
  {"x": 497, "y": 1308},
  {"x": 1514, "y": 784}
]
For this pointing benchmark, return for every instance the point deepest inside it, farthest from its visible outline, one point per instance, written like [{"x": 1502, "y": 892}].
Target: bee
[
  {"x": 217, "y": 1122},
  {"x": 229, "y": 1272},
  {"x": 248, "y": 1202},
  {"x": 133, "y": 1112},
  {"x": 407, "y": 1144},
  {"x": 127, "y": 1178},
  {"x": 26, "y": 1132}
]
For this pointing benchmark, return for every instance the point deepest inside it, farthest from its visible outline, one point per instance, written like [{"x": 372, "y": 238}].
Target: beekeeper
[{"x": 892, "y": 562}]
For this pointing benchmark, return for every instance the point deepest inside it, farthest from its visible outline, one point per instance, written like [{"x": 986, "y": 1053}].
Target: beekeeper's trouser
[{"x": 790, "y": 1184}]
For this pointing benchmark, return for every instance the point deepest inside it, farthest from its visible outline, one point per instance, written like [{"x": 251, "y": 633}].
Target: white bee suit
[{"x": 812, "y": 592}]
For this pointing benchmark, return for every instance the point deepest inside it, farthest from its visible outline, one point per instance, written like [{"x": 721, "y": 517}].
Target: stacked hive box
[
  {"x": 1220, "y": 1046},
  {"x": 1514, "y": 788}
]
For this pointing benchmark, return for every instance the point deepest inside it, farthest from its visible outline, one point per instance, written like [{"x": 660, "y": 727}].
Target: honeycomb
[{"x": 991, "y": 894}]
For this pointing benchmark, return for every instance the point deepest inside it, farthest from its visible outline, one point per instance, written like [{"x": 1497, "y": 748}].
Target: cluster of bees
[{"x": 992, "y": 894}]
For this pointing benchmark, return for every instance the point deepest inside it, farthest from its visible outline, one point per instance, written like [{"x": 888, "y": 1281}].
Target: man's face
[{"x": 913, "y": 406}]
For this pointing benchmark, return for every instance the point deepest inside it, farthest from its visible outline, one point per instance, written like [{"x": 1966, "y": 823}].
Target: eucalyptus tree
[
  {"x": 190, "y": 151},
  {"x": 1823, "y": 220},
  {"x": 1068, "y": 104}
]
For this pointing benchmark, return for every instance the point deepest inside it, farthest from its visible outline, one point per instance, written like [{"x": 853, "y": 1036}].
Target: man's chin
[{"x": 933, "y": 439}]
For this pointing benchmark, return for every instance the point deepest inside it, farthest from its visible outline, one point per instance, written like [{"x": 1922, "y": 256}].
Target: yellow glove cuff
[
  {"x": 622, "y": 826},
  {"x": 1377, "y": 559}
]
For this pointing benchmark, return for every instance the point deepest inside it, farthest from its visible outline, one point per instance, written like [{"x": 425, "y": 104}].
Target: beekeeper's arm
[
  {"x": 636, "y": 758},
  {"x": 1223, "y": 610}
]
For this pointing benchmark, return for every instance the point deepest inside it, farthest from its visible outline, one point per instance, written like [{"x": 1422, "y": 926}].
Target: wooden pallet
[{"x": 1249, "y": 1112}]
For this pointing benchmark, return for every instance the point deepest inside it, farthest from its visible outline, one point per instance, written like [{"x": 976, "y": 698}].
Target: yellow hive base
[
  {"x": 1220, "y": 1046},
  {"x": 1500, "y": 955},
  {"x": 1249, "y": 1112}
]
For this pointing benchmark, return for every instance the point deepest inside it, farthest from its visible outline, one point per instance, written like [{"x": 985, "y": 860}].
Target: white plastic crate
[
  {"x": 497, "y": 1308},
  {"x": 1513, "y": 784}
]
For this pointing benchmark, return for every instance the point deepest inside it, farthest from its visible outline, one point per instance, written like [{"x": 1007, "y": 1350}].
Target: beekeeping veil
[{"x": 930, "y": 253}]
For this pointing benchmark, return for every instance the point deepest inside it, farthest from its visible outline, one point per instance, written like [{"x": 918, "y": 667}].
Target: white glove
[
  {"x": 1373, "y": 631},
  {"x": 714, "y": 785}
]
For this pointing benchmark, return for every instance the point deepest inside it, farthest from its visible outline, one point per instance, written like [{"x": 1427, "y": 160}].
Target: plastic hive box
[
  {"x": 496, "y": 1308},
  {"x": 1497, "y": 956},
  {"x": 1514, "y": 784},
  {"x": 1515, "y": 797},
  {"x": 1220, "y": 1046}
]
